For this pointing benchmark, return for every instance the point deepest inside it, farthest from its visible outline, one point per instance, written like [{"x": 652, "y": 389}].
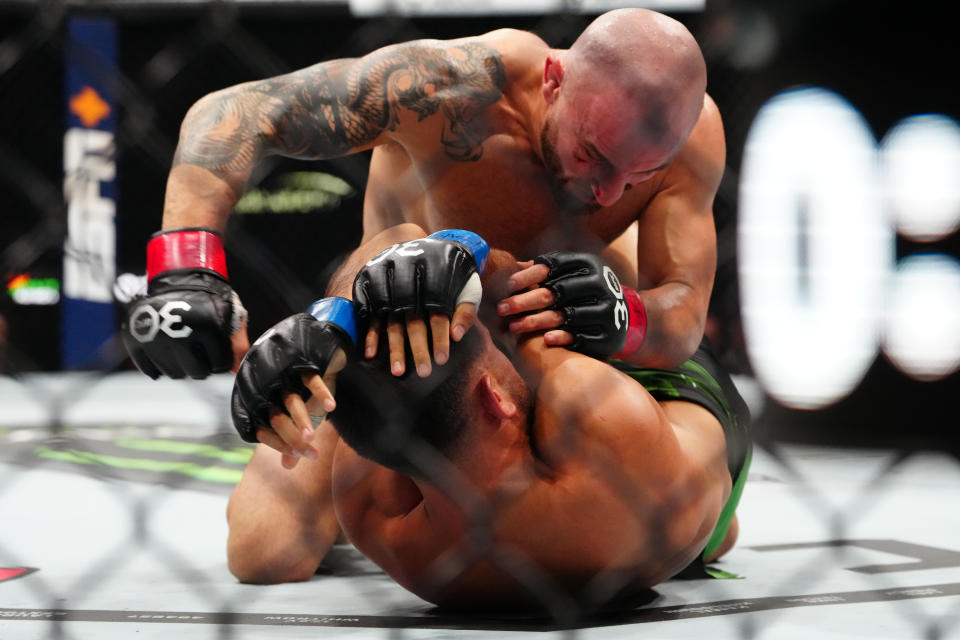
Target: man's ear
[
  {"x": 494, "y": 399},
  {"x": 552, "y": 77}
]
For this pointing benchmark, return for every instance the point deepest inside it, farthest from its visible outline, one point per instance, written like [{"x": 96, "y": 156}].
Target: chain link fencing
[{"x": 299, "y": 220}]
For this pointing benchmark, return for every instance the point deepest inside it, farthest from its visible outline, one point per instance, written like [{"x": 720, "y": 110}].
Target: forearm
[
  {"x": 220, "y": 143},
  {"x": 197, "y": 197},
  {"x": 675, "y": 321}
]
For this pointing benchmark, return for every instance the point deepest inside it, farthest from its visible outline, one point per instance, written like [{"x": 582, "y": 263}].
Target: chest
[{"x": 505, "y": 195}]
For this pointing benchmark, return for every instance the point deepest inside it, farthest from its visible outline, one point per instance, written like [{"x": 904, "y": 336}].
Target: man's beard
[{"x": 561, "y": 187}]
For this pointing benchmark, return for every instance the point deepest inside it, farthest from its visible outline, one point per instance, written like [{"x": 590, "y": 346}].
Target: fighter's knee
[{"x": 731, "y": 539}]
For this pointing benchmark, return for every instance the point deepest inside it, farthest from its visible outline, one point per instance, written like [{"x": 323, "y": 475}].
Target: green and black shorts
[{"x": 703, "y": 381}]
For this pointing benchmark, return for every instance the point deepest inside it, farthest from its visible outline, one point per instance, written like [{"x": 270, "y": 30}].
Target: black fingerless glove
[
  {"x": 429, "y": 275},
  {"x": 300, "y": 343},
  {"x": 605, "y": 318},
  {"x": 182, "y": 327}
]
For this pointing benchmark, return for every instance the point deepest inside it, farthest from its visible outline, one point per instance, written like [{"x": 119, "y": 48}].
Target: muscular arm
[
  {"x": 640, "y": 484},
  {"x": 676, "y": 249},
  {"x": 329, "y": 110},
  {"x": 282, "y": 520}
]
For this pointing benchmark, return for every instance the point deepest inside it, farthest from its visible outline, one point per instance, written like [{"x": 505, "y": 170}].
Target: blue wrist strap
[
  {"x": 477, "y": 246},
  {"x": 339, "y": 311}
]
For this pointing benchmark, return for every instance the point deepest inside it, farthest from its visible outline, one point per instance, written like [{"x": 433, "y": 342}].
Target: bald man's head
[
  {"x": 649, "y": 59},
  {"x": 622, "y": 101}
]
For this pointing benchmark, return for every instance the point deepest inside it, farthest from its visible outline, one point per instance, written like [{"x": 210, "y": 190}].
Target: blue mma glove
[
  {"x": 429, "y": 275},
  {"x": 301, "y": 343}
]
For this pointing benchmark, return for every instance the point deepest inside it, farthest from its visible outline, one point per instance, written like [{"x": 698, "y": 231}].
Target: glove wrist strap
[
  {"x": 637, "y": 329},
  {"x": 476, "y": 245},
  {"x": 340, "y": 312},
  {"x": 186, "y": 249}
]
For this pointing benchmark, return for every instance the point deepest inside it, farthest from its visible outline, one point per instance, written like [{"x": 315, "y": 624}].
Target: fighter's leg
[
  {"x": 728, "y": 541},
  {"x": 282, "y": 521}
]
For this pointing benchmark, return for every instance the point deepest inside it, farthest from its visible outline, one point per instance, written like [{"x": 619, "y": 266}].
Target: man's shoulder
[
  {"x": 516, "y": 38},
  {"x": 520, "y": 47},
  {"x": 703, "y": 156},
  {"x": 574, "y": 384}
]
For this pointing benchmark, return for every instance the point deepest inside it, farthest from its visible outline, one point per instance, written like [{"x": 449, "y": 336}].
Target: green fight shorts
[{"x": 703, "y": 381}]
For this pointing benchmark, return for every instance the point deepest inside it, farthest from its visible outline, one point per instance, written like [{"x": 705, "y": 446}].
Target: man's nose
[{"x": 608, "y": 189}]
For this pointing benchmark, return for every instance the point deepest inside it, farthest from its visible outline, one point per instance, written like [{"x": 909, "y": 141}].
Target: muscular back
[{"x": 617, "y": 484}]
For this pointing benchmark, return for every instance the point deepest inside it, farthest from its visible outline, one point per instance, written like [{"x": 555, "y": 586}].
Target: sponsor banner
[{"x": 89, "y": 260}]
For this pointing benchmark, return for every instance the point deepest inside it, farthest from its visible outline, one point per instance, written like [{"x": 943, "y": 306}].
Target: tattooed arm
[{"x": 331, "y": 109}]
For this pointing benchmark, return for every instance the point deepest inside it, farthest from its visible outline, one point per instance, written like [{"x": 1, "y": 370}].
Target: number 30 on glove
[
  {"x": 182, "y": 327},
  {"x": 605, "y": 318}
]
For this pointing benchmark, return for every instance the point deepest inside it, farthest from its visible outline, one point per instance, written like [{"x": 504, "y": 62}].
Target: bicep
[
  {"x": 399, "y": 92},
  {"x": 676, "y": 234},
  {"x": 677, "y": 244}
]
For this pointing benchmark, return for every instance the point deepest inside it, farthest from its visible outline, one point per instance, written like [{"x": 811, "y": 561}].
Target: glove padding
[
  {"x": 589, "y": 296},
  {"x": 429, "y": 275},
  {"x": 183, "y": 325},
  {"x": 274, "y": 364}
]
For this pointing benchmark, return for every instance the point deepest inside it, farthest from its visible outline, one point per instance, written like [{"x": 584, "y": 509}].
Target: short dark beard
[{"x": 566, "y": 201}]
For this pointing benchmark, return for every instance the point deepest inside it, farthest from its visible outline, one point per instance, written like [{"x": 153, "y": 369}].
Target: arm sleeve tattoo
[{"x": 335, "y": 108}]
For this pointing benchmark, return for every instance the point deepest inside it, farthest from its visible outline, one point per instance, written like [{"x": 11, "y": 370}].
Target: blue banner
[{"x": 89, "y": 162}]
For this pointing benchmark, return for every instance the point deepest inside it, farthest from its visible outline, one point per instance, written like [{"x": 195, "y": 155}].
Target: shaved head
[
  {"x": 620, "y": 104},
  {"x": 648, "y": 59}
]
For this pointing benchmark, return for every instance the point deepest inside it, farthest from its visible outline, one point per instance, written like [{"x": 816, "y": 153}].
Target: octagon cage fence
[{"x": 113, "y": 487}]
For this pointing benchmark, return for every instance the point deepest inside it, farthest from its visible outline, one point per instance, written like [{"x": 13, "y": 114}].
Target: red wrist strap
[
  {"x": 185, "y": 249},
  {"x": 637, "y": 330}
]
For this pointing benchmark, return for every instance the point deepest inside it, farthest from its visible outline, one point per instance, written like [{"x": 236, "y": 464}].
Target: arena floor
[{"x": 112, "y": 499}]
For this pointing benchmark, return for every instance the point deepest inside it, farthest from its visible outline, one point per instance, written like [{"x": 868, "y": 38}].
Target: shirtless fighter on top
[
  {"x": 515, "y": 474},
  {"x": 609, "y": 146}
]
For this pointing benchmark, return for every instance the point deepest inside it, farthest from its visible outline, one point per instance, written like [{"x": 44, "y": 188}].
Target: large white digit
[
  {"x": 921, "y": 161},
  {"x": 169, "y": 319},
  {"x": 922, "y": 321},
  {"x": 813, "y": 248}
]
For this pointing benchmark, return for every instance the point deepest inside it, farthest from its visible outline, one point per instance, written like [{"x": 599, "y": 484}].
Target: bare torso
[
  {"x": 505, "y": 195},
  {"x": 640, "y": 515}
]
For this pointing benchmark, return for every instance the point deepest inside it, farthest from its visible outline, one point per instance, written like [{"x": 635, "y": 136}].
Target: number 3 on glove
[
  {"x": 183, "y": 326},
  {"x": 605, "y": 318}
]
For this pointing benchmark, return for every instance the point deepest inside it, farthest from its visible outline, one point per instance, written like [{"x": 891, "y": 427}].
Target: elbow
[
  {"x": 226, "y": 108},
  {"x": 250, "y": 563},
  {"x": 202, "y": 110},
  {"x": 671, "y": 349},
  {"x": 259, "y": 553},
  {"x": 678, "y": 337}
]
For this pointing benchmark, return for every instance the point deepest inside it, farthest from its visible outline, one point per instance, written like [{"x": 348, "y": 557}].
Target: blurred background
[{"x": 837, "y": 298}]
